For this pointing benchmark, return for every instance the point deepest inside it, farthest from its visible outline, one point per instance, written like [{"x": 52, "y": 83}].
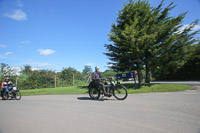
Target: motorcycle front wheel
[
  {"x": 120, "y": 92},
  {"x": 94, "y": 93},
  {"x": 17, "y": 95}
]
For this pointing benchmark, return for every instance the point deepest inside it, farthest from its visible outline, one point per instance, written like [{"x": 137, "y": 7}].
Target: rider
[
  {"x": 6, "y": 85},
  {"x": 97, "y": 77}
]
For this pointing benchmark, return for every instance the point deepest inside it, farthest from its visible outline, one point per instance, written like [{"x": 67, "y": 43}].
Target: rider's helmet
[
  {"x": 97, "y": 67},
  {"x": 7, "y": 79}
]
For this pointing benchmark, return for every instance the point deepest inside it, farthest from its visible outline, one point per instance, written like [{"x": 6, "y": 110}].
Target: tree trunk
[
  {"x": 147, "y": 78},
  {"x": 16, "y": 79},
  {"x": 139, "y": 76},
  {"x": 55, "y": 81}
]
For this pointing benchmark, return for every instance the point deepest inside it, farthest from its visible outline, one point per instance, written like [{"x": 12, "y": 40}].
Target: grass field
[{"x": 144, "y": 88}]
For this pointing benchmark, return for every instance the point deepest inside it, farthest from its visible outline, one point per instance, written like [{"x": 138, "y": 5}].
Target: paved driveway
[{"x": 177, "y": 112}]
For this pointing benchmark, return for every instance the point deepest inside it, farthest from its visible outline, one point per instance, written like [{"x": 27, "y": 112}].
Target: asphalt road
[{"x": 174, "y": 112}]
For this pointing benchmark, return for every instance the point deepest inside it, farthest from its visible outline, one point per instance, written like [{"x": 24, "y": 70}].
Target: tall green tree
[
  {"x": 69, "y": 75},
  {"x": 87, "y": 70},
  {"x": 26, "y": 70},
  {"x": 37, "y": 79},
  {"x": 5, "y": 70},
  {"x": 191, "y": 69},
  {"x": 143, "y": 36},
  {"x": 108, "y": 74}
]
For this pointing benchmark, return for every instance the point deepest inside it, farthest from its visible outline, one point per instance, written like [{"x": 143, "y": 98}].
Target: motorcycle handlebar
[{"x": 104, "y": 79}]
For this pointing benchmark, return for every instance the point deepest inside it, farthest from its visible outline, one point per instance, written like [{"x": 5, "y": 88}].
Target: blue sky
[{"x": 54, "y": 34}]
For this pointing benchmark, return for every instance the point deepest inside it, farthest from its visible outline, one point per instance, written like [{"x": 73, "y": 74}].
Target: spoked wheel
[
  {"x": 17, "y": 95},
  {"x": 120, "y": 92},
  {"x": 94, "y": 93}
]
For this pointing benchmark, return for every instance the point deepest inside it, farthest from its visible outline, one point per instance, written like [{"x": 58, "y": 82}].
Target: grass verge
[
  {"x": 53, "y": 91},
  {"x": 147, "y": 88},
  {"x": 144, "y": 88}
]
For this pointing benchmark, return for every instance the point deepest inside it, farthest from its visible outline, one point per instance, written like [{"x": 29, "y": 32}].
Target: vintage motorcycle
[
  {"x": 13, "y": 93},
  {"x": 117, "y": 90}
]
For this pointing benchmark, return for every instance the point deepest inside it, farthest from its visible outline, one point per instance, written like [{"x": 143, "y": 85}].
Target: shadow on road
[
  {"x": 84, "y": 98},
  {"x": 88, "y": 98},
  {"x": 9, "y": 99}
]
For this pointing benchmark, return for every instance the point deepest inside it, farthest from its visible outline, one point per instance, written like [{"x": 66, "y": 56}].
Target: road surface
[{"x": 173, "y": 112}]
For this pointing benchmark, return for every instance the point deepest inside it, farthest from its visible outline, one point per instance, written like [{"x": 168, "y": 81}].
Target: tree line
[
  {"x": 144, "y": 38},
  {"x": 27, "y": 78}
]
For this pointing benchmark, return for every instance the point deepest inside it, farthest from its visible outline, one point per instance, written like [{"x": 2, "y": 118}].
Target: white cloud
[
  {"x": 8, "y": 53},
  {"x": 46, "y": 51},
  {"x": 43, "y": 65},
  {"x": 20, "y": 4},
  {"x": 33, "y": 69},
  {"x": 183, "y": 27},
  {"x": 17, "y": 70},
  {"x": 197, "y": 27},
  {"x": 17, "y": 15},
  {"x": 24, "y": 42},
  {"x": 35, "y": 65},
  {"x": 89, "y": 64},
  {"x": 2, "y": 46},
  {"x": 5, "y": 54},
  {"x": 108, "y": 65}
]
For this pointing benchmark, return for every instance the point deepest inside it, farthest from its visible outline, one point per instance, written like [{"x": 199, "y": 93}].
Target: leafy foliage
[
  {"x": 37, "y": 79},
  {"x": 190, "y": 69},
  {"x": 147, "y": 38},
  {"x": 26, "y": 69},
  {"x": 68, "y": 74},
  {"x": 108, "y": 74},
  {"x": 6, "y": 70},
  {"x": 87, "y": 70}
]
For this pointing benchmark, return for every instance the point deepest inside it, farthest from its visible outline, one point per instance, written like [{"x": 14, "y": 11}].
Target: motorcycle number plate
[{"x": 14, "y": 88}]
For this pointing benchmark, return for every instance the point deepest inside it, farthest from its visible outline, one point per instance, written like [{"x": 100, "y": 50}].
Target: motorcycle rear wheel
[{"x": 94, "y": 93}]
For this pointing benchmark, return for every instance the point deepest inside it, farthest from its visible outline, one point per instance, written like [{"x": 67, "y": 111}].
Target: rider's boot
[
  {"x": 4, "y": 97},
  {"x": 107, "y": 94}
]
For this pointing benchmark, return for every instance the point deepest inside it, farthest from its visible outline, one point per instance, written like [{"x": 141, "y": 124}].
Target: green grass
[
  {"x": 144, "y": 88},
  {"x": 59, "y": 90}
]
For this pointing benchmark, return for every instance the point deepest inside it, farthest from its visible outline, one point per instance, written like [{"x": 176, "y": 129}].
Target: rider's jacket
[
  {"x": 6, "y": 84},
  {"x": 96, "y": 76}
]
